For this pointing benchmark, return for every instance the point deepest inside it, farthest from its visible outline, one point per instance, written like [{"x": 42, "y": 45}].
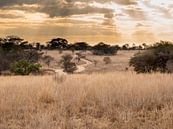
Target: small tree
[
  {"x": 67, "y": 64},
  {"x": 107, "y": 60},
  {"x": 23, "y": 67}
]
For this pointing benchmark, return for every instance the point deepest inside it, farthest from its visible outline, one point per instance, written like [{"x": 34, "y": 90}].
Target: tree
[
  {"x": 12, "y": 49},
  {"x": 13, "y": 42},
  {"x": 67, "y": 64},
  {"x": 81, "y": 46},
  {"x": 104, "y": 49},
  {"x": 58, "y": 43},
  {"x": 154, "y": 59},
  {"x": 125, "y": 47}
]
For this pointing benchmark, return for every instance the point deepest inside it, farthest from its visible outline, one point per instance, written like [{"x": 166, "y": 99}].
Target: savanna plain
[{"x": 99, "y": 100}]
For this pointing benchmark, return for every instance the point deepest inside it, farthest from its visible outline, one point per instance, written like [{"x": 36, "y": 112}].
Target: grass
[
  {"x": 119, "y": 62},
  {"x": 119, "y": 100}
]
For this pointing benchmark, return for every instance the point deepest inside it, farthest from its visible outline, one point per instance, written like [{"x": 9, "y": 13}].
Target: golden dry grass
[{"x": 120, "y": 100}]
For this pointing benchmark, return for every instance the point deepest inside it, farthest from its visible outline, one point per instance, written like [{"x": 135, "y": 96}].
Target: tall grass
[{"x": 120, "y": 100}]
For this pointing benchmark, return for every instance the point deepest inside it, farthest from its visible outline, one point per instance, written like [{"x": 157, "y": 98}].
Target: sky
[{"x": 93, "y": 21}]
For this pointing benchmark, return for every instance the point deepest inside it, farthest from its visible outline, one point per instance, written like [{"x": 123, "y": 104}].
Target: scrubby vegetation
[
  {"x": 14, "y": 49},
  {"x": 104, "y": 49},
  {"x": 24, "y": 67},
  {"x": 107, "y": 60},
  {"x": 154, "y": 59},
  {"x": 67, "y": 64}
]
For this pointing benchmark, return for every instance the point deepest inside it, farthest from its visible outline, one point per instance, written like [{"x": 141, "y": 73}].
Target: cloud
[
  {"x": 54, "y": 8},
  {"x": 164, "y": 9},
  {"x": 143, "y": 36},
  {"x": 139, "y": 25},
  {"x": 135, "y": 13}
]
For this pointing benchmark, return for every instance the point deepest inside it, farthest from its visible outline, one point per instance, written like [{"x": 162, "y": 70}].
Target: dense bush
[
  {"x": 12, "y": 50},
  {"x": 24, "y": 67},
  {"x": 104, "y": 49},
  {"x": 67, "y": 64},
  {"x": 154, "y": 59}
]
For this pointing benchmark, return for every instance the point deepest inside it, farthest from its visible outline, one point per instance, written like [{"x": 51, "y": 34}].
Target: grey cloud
[
  {"x": 136, "y": 13},
  {"x": 165, "y": 11},
  {"x": 54, "y": 8}
]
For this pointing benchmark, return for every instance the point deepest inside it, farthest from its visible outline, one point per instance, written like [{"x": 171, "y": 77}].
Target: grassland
[
  {"x": 118, "y": 100},
  {"x": 119, "y": 62}
]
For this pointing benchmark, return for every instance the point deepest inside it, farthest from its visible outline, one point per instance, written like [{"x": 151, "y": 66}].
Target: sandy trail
[{"x": 80, "y": 68}]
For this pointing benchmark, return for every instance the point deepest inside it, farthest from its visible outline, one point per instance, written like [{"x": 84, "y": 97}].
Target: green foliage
[
  {"x": 24, "y": 67},
  {"x": 154, "y": 59},
  {"x": 67, "y": 64},
  {"x": 13, "y": 49}
]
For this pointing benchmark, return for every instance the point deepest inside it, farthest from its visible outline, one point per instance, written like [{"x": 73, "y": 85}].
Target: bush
[
  {"x": 153, "y": 60},
  {"x": 12, "y": 50},
  {"x": 104, "y": 49},
  {"x": 23, "y": 67},
  {"x": 67, "y": 64},
  {"x": 107, "y": 60}
]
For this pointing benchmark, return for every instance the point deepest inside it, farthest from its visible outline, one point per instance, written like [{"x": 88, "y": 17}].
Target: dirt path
[{"x": 80, "y": 68}]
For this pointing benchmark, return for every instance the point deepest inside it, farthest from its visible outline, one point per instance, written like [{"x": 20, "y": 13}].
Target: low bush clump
[
  {"x": 67, "y": 64},
  {"x": 154, "y": 59},
  {"x": 23, "y": 67},
  {"x": 107, "y": 60}
]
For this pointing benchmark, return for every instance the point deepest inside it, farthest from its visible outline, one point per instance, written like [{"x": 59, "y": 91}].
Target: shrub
[
  {"x": 23, "y": 67},
  {"x": 107, "y": 60},
  {"x": 67, "y": 64},
  {"x": 154, "y": 59},
  {"x": 13, "y": 49},
  {"x": 104, "y": 49}
]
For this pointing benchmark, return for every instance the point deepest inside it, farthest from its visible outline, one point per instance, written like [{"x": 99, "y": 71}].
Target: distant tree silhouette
[
  {"x": 38, "y": 46},
  {"x": 58, "y": 43},
  {"x": 14, "y": 42},
  {"x": 125, "y": 47},
  {"x": 81, "y": 46},
  {"x": 145, "y": 46},
  {"x": 104, "y": 49}
]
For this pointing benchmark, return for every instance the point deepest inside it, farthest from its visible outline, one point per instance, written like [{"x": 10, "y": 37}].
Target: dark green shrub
[
  {"x": 24, "y": 67},
  {"x": 154, "y": 59}
]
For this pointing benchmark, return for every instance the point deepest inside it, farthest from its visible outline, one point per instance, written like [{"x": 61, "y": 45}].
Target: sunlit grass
[{"x": 120, "y": 100}]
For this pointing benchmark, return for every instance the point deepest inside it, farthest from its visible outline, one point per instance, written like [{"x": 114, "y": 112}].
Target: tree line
[{"x": 63, "y": 44}]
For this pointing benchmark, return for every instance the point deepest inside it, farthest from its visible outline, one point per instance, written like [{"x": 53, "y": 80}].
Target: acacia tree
[{"x": 58, "y": 43}]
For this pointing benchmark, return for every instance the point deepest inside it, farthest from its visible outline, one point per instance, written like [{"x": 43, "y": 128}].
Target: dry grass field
[
  {"x": 119, "y": 62},
  {"x": 118, "y": 100}
]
